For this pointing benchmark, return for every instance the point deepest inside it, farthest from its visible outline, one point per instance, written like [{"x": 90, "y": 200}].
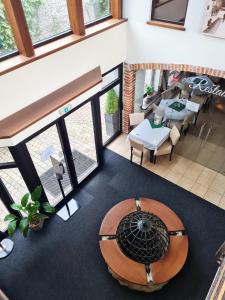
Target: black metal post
[
  {"x": 65, "y": 143},
  {"x": 7, "y": 199},
  {"x": 96, "y": 116},
  {"x": 64, "y": 196},
  {"x": 27, "y": 169}
]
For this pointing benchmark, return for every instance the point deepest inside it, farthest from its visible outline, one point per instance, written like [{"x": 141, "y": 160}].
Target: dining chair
[
  {"x": 136, "y": 146},
  {"x": 183, "y": 126},
  {"x": 159, "y": 115},
  {"x": 136, "y": 118},
  {"x": 154, "y": 107},
  {"x": 168, "y": 146}
]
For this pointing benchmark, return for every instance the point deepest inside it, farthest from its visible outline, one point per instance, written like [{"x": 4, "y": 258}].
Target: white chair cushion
[
  {"x": 136, "y": 118},
  {"x": 175, "y": 123},
  {"x": 164, "y": 149}
]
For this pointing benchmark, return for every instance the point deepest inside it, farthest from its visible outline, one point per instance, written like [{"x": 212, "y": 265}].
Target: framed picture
[{"x": 214, "y": 23}]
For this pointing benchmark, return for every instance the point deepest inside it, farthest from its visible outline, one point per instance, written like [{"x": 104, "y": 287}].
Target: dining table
[
  {"x": 174, "y": 109},
  {"x": 151, "y": 135}
]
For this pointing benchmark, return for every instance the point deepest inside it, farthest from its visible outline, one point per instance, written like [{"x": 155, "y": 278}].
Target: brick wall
[{"x": 129, "y": 82}]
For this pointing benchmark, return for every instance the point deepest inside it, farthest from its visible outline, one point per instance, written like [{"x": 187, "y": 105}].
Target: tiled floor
[
  {"x": 205, "y": 143},
  {"x": 204, "y": 182}
]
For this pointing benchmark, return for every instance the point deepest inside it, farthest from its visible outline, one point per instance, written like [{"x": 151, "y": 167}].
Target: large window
[
  {"x": 46, "y": 18},
  {"x": 7, "y": 43},
  {"x": 95, "y": 10},
  {"x": 172, "y": 11}
]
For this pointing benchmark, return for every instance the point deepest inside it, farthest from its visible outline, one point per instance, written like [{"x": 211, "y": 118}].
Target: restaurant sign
[{"x": 213, "y": 89}]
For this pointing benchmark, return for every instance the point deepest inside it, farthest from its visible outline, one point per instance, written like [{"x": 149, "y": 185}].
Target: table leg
[{"x": 151, "y": 155}]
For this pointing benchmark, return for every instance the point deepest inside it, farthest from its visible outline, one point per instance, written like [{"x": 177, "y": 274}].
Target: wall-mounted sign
[
  {"x": 64, "y": 110},
  {"x": 202, "y": 85},
  {"x": 213, "y": 90}
]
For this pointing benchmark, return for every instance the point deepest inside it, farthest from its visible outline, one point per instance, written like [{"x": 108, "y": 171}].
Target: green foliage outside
[
  {"x": 30, "y": 9},
  {"x": 30, "y": 206},
  {"x": 102, "y": 7},
  {"x": 112, "y": 102},
  {"x": 6, "y": 39}
]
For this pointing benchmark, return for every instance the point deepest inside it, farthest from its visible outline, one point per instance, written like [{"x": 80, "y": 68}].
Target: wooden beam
[
  {"x": 17, "y": 20},
  {"x": 36, "y": 111},
  {"x": 116, "y": 9},
  {"x": 76, "y": 16}
]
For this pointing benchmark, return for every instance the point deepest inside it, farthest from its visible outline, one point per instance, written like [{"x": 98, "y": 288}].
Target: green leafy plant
[
  {"x": 6, "y": 39},
  {"x": 112, "y": 102},
  {"x": 30, "y": 8},
  {"x": 29, "y": 206},
  {"x": 101, "y": 7},
  {"x": 149, "y": 90}
]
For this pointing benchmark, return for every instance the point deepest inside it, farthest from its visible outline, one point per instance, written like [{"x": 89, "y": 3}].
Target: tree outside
[{"x": 47, "y": 18}]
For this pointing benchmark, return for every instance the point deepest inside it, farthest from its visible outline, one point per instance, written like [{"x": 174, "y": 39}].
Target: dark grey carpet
[{"x": 63, "y": 261}]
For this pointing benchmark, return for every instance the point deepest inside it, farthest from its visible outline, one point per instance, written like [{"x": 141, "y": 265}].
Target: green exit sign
[{"x": 65, "y": 109}]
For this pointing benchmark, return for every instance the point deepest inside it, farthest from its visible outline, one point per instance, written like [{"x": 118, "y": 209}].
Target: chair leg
[
  {"x": 171, "y": 153},
  {"x": 155, "y": 159},
  {"x": 142, "y": 153},
  {"x": 196, "y": 118},
  {"x": 131, "y": 153}
]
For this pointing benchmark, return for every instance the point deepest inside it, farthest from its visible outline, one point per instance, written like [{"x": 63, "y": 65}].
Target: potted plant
[
  {"x": 112, "y": 112},
  {"x": 31, "y": 213},
  {"x": 149, "y": 90}
]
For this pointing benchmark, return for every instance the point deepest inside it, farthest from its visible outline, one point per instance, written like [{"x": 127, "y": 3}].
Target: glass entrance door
[
  {"x": 80, "y": 129},
  {"x": 45, "y": 149},
  {"x": 110, "y": 113}
]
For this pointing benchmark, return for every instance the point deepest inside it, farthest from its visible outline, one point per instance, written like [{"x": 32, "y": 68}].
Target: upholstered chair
[
  {"x": 136, "y": 118},
  {"x": 136, "y": 148},
  {"x": 168, "y": 146}
]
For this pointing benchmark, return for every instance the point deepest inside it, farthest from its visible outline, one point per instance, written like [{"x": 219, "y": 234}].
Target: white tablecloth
[
  {"x": 152, "y": 138},
  {"x": 172, "y": 114}
]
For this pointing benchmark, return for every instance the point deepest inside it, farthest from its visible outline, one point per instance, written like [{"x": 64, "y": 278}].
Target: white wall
[
  {"x": 33, "y": 81},
  {"x": 148, "y": 44}
]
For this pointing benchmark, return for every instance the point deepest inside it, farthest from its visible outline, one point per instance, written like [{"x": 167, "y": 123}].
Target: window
[
  {"x": 3, "y": 213},
  {"x": 172, "y": 11},
  {"x": 41, "y": 147},
  {"x": 110, "y": 78},
  {"x": 7, "y": 43},
  {"x": 5, "y": 155},
  {"x": 46, "y": 18},
  {"x": 95, "y": 10},
  {"x": 14, "y": 183}
]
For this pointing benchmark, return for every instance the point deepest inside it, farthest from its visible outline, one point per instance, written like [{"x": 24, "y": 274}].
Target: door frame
[{"x": 22, "y": 157}]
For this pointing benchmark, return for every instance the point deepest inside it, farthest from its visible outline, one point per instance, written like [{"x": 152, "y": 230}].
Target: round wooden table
[{"x": 129, "y": 272}]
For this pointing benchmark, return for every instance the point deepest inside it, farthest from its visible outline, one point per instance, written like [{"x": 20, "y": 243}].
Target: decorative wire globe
[{"x": 143, "y": 237}]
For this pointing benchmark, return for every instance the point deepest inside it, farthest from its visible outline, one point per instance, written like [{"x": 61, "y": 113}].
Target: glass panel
[
  {"x": 14, "y": 183},
  {"x": 7, "y": 42},
  {"x": 41, "y": 148},
  {"x": 5, "y": 155},
  {"x": 46, "y": 18},
  {"x": 109, "y": 78},
  {"x": 110, "y": 113},
  {"x": 172, "y": 11},
  {"x": 81, "y": 135},
  {"x": 95, "y": 10},
  {"x": 3, "y": 213}
]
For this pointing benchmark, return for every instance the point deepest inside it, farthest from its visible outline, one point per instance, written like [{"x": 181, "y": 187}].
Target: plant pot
[
  {"x": 112, "y": 123},
  {"x": 36, "y": 226}
]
